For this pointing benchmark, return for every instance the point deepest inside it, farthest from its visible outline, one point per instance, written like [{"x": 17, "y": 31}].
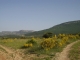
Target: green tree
[{"x": 47, "y": 35}]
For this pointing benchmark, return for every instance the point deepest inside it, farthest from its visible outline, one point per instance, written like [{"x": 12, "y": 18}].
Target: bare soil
[{"x": 9, "y": 54}]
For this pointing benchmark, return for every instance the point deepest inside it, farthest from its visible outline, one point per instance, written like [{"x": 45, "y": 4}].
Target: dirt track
[
  {"x": 64, "y": 54},
  {"x": 9, "y": 55},
  {"x": 2, "y": 57}
]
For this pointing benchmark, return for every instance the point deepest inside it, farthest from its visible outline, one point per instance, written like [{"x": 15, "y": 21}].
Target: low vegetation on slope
[{"x": 71, "y": 27}]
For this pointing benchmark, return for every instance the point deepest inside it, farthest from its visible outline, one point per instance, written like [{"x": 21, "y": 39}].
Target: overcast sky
[{"x": 36, "y": 14}]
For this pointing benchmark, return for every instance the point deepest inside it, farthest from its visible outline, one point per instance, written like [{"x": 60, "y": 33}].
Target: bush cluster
[
  {"x": 28, "y": 45},
  {"x": 48, "y": 43}
]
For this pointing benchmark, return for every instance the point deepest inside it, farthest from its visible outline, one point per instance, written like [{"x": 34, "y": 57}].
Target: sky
[{"x": 36, "y": 15}]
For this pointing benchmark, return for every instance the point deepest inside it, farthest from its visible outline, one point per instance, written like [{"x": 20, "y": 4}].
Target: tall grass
[{"x": 15, "y": 44}]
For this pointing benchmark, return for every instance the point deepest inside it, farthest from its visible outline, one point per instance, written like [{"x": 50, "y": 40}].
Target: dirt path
[
  {"x": 2, "y": 57},
  {"x": 10, "y": 55},
  {"x": 64, "y": 54}
]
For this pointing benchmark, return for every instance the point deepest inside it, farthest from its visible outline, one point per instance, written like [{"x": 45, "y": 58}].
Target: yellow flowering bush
[
  {"x": 63, "y": 41},
  {"x": 28, "y": 45},
  {"x": 71, "y": 36},
  {"x": 61, "y": 35},
  {"x": 32, "y": 41},
  {"x": 25, "y": 45},
  {"x": 77, "y": 36},
  {"x": 48, "y": 43}
]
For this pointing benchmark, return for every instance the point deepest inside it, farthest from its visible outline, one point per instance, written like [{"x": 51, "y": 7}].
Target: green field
[{"x": 40, "y": 46}]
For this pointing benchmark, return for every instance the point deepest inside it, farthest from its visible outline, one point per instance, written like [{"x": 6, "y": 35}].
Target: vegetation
[
  {"x": 42, "y": 43},
  {"x": 72, "y": 27},
  {"x": 46, "y": 47},
  {"x": 53, "y": 41},
  {"x": 48, "y": 44},
  {"x": 75, "y": 52},
  {"x": 47, "y": 35}
]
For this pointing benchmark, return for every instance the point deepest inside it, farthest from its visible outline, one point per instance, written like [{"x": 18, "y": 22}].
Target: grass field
[
  {"x": 15, "y": 44},
  {"x": 40, "y": 51},
  {"x": 75, "y": 52}
]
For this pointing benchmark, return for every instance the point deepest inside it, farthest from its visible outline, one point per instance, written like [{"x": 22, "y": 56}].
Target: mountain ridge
[
  {"x": 70, "y": 27},
  {"x": 20, "y": 32}
]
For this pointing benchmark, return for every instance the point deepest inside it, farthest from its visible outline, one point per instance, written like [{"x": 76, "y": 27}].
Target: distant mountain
[
  {"x": 21, "y": 32},
  {"x": 71, "y": 27}
]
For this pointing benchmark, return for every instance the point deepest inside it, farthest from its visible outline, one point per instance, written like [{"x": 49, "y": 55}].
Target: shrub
[
  {"x": 48, "y": 44},
  {"x": 63, "y": 41},
  {"x": 47, "y": 35},
  {"x": 32, "y": 41},
  {"x": 28, "y": 45},
  {"x": 61, "y": 36}
]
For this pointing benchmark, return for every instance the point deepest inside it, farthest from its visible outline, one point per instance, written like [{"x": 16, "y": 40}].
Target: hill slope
[{"x": 71, "y": 27}]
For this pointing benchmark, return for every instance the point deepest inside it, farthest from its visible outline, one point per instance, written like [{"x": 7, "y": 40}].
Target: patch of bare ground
[
  {"x": 10, "y": 55},
  {"x": 2, "y": 57}
]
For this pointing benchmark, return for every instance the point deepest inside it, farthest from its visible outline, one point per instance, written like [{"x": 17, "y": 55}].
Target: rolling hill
[
  {"x": 71, "y": 27},
  {"x": 21, "y": 32}
]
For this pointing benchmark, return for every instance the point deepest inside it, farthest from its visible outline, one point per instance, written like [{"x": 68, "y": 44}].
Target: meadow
[{"x": 43, "y": 48}]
